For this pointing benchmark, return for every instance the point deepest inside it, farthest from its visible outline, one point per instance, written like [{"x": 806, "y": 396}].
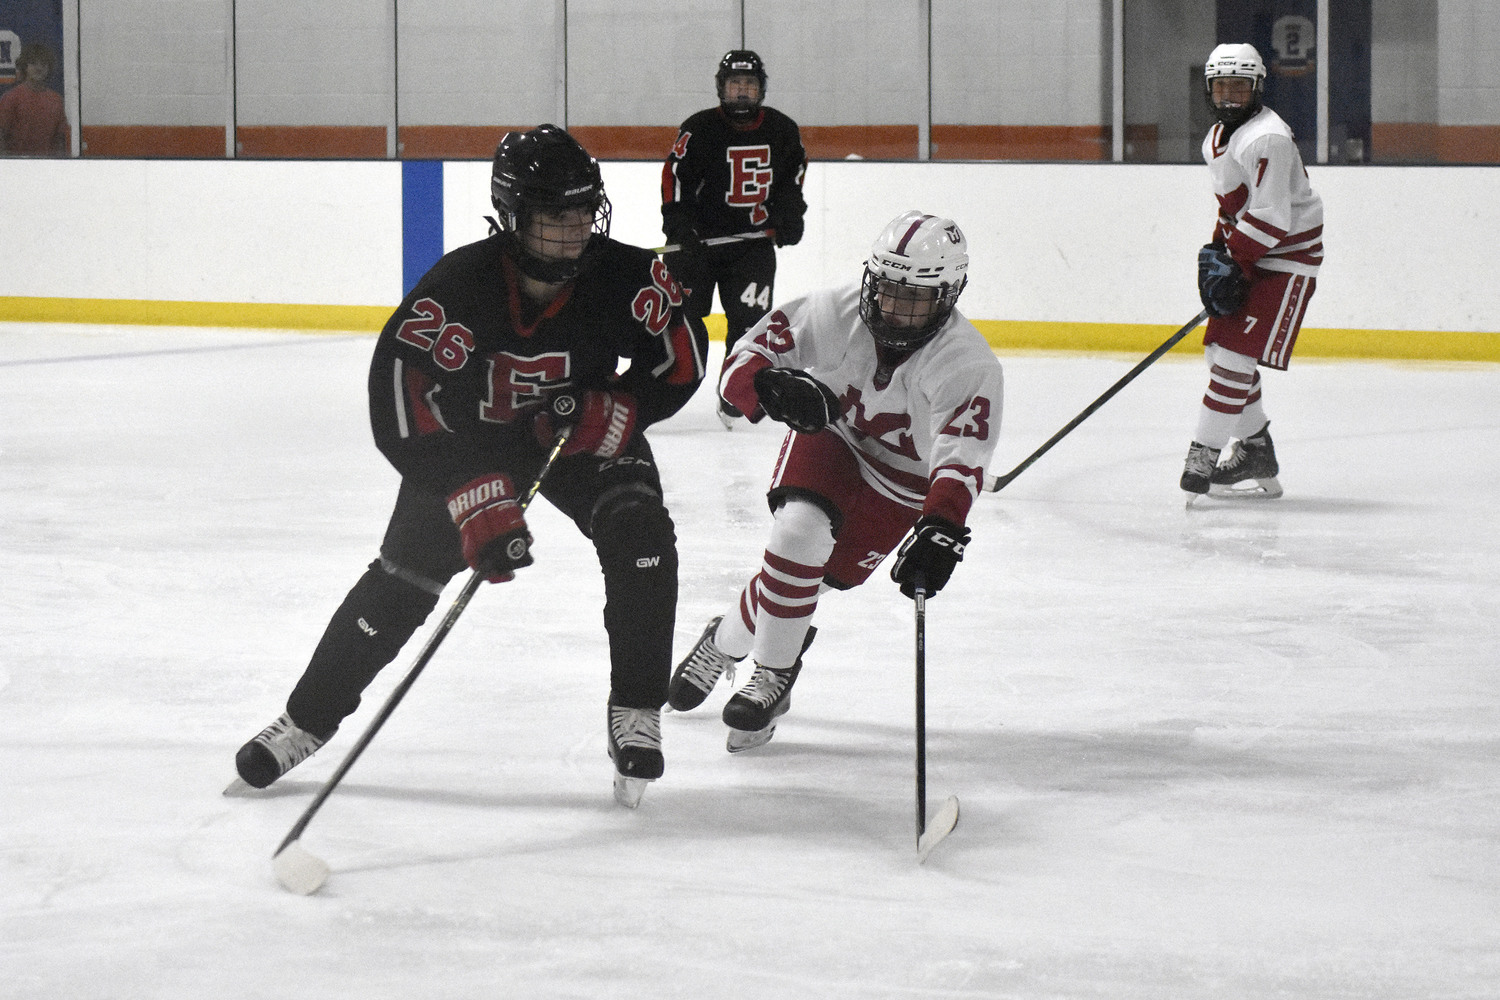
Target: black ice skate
[
  {"x": 280, "y": 747},
  {"x": 1198, "y": 469},
  {"x": 635, "y": 747},
  {"x": 1249, "y": 470},
  {"x": 752, "y": 713},
  {"x": 699, "y": 671}
]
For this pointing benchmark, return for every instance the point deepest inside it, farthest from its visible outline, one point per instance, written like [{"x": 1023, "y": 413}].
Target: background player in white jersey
[
  {"x": 1256, "y": 276},
  {"x": 894, "y": 402}
]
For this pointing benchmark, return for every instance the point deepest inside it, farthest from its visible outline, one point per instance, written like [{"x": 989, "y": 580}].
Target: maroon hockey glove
[
  {"x": 927, "y": 557},
  {"x": 602, "y": 422},
  {"x": 495, "y": 539}
]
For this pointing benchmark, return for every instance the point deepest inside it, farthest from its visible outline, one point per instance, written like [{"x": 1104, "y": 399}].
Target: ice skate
[
  {"x": 1197, "y": 470},
  {"x": 1249, "y": 469},
  {"x": 699, "y": 671},
  {"x": 635, "y": 747},
  {"x": 752, "y": 713},
  {"x": 280, "y": 747}
]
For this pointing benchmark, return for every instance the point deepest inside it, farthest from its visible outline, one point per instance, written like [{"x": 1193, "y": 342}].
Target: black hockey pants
[{"x": 615, "y": 502}]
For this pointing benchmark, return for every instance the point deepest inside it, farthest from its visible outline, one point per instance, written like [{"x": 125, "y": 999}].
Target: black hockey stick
[
  {"x": 717, "y": 241},
  {"x": 298, "y": 869},
  {"x": 994, "y": 485},
  {"x": 946, "y": 818}
]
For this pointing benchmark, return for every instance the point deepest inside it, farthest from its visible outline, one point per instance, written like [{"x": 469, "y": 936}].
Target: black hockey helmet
[
  {"x": 546, "y": 169},
  {"x": 734, "y": 63}
]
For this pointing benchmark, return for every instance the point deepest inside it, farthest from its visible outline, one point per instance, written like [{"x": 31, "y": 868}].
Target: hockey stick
[
  {"x": 298, "y": 869},
  {"x": 994, "y": 485},
  {"x": 946, "y": 818},
  {"x": 718, "y": 241}
]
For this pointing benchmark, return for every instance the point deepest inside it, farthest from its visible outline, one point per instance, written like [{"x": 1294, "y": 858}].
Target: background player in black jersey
[
  {"x": 735, "y": 168},
  {"x": 459, "y": 389}
]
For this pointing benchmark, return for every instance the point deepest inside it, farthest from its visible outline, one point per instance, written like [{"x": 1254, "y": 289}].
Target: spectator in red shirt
[{"x": 32, "y": 120}]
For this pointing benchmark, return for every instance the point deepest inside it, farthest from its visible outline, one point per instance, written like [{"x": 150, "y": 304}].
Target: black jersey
[
  {"x": 464, "y": 364},
  {"x": 725, "y": 180}
]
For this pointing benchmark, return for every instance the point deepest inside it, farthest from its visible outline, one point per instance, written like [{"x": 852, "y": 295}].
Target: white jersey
[
  {"x": 935, "y": 417},
  {"x": 1269, "y": 215}
]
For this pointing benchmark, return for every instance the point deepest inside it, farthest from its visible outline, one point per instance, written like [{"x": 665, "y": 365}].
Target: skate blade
[
  {"x": 1249, "y": 489},
  {"x": 629, "y": 791},
  {"x": 942, "y": 823},
  {"x": 741, "y": 740},
  {"x": 239, "y": 789}
]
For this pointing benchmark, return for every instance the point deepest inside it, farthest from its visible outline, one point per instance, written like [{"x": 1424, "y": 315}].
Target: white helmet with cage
[
  {"x": 1235, "y": 59},
  {"x": 916, "y": 270}
]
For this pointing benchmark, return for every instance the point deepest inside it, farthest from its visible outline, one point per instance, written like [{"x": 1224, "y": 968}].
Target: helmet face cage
[
  {"x": 538, "y": 179},
  {"x": 917, "y": 269},
  {"x": 738, "y": 62},
  {"x": 1241, "y": 61}
]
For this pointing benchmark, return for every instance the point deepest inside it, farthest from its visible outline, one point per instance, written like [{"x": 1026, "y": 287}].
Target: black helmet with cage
[
  {"x": 546, "y": 170},
  {"x": 740, "y": 62},
  {"x": 916, "y": 270}
]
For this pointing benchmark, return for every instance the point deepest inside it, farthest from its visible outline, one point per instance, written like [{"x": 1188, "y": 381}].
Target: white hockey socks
[
  {"x": 777, "y": 605},
  {"x": 1232, "y": 403}
]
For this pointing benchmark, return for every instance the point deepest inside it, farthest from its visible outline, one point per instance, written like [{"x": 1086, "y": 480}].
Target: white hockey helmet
[
  {"x": 1235, "y": 59},
  {"x": 916, "y": 270}
]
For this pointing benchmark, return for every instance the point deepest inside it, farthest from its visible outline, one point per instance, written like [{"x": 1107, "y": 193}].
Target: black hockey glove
[
  {"x": 685, "y": 237},
  {"x": 927, "y": 557},
  {"x": 787, "y": 222},
  {"x": 1222, "y": 286},
  {"x": 795, "y": 398}
]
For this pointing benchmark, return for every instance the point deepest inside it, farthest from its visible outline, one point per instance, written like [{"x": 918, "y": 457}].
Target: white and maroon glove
[
  {"x": 602, "y": 422},
  {"x": 496, "y": 542}
]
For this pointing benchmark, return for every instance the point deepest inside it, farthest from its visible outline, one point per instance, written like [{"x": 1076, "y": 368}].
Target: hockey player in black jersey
[
  {"x": 459, "y": 389},
  {"x": 735, "y": 168}
]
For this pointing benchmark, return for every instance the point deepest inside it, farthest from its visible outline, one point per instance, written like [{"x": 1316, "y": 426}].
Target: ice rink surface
[{"x": 1243, "y": 752}]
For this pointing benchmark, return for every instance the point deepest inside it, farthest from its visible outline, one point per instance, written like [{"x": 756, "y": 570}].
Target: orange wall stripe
[
  {"x": 1020, "y": 142},
  {"x": 332, "y": 142},
  {"x": 1468, "y": 143},
  {"x": 196, "y": 141},
  {"x": 1402, "y": 142},
  {"x": 453, "y": 142},
  {"x": 626, "y": 142},
  {"x": 872, "y": 142}
]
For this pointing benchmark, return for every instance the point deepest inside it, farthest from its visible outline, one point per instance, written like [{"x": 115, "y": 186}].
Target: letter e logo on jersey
[{"x": 749, "y": 180}]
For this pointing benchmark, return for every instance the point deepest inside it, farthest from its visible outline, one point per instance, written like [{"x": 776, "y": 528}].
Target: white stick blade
[
  {"x": 298, "y": 870},
  {"x": 942, "y": 824}
]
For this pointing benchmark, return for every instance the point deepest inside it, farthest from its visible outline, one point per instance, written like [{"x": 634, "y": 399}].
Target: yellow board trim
[
  {"x": 1143, "y": 338},
  {"x": 1003, "y": 335},
  {"x": 146, "y": 312}
]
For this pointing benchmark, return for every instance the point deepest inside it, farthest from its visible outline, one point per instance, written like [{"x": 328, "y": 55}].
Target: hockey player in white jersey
[
  {"x": 1255, "y": 277},
  {"x": 893, "y": 399}
]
